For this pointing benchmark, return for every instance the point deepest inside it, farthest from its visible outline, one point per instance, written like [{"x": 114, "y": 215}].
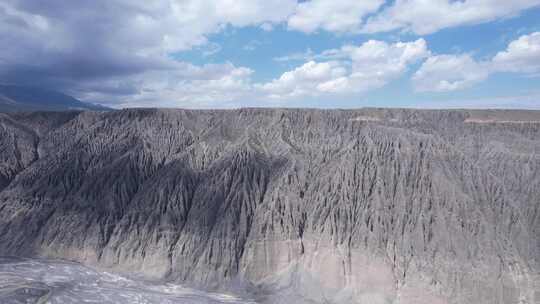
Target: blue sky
[{"x": 283, "y": 53}]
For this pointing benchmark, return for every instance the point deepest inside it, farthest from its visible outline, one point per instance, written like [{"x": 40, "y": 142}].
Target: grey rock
[{"x": 319, "y": 206}]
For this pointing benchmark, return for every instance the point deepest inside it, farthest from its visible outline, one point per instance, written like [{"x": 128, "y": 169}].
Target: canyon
[{"x": 284, "y": 205}]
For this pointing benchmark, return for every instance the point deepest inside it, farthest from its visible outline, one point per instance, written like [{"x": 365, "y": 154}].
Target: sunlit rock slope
[{"x": 319, "y": 206}]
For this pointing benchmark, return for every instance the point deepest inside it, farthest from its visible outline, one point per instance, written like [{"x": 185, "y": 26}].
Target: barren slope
[{"x": 342, "y": 206}]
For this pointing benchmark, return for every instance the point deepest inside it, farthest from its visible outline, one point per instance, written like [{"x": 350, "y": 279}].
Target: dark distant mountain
[
  {"x": 25, "y": 98},
  {"x": 294, "y": 205}
]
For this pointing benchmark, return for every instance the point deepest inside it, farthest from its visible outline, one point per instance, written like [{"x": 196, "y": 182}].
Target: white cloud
[
  {"x": 304, "y": 80},
  {"x": 443, "y": 73},
  {"x": 307, "y": 55},
  {"x": 210, "y": 49},
  {"x": 331, "y": 15},
  {"x": 522, "y": 55},
  {"x": 140, "y": 28},
  {"x": 425, "y": 17},
  {"x": 183, "y": 24},
  {"x": 184, "y": 85},
  {"x": 124, "y": 51},
  {"x": 378, "y": 59},
  {"x": 355, "y": 69},
  {"x": 267, "y": 27},
  {"x": 252, "y": 45}
]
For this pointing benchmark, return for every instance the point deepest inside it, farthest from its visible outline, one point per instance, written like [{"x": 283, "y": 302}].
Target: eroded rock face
[{"x": 324, "y": 206}]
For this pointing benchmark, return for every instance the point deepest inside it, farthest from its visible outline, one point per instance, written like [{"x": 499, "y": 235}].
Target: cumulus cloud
[
  {"x": 109, "y": 47},
  {"x": 350, "y": 69},
  {"x": 331, "y": 15},
  {"x": 418, "y": 16},
  {"x": 185, "y": 84},
  {"x": 225, "y": 83},
  {"x": 425, "y": 17},
  {"x": 383, "y": 61},
  {"x": 448, "y": 73},
  {"x": 122, "y": 53},
  {"x": 440, "y": 73},
  {"x": 522, "y": 55},
  {"x": 307, "y": 79}
]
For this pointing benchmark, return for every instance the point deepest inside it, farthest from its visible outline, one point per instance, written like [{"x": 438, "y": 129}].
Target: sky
[{"x": 277, "y": 53}]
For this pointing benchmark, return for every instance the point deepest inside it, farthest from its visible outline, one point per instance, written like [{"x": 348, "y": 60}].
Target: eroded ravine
[{"x": 342, "y": 206}]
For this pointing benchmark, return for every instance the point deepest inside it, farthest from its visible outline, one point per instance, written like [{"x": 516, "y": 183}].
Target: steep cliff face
[{"x": 356, "y": 206}]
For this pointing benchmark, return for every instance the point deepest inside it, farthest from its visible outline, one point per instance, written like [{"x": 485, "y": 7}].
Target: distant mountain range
[{"x": 25, "y": 98}]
